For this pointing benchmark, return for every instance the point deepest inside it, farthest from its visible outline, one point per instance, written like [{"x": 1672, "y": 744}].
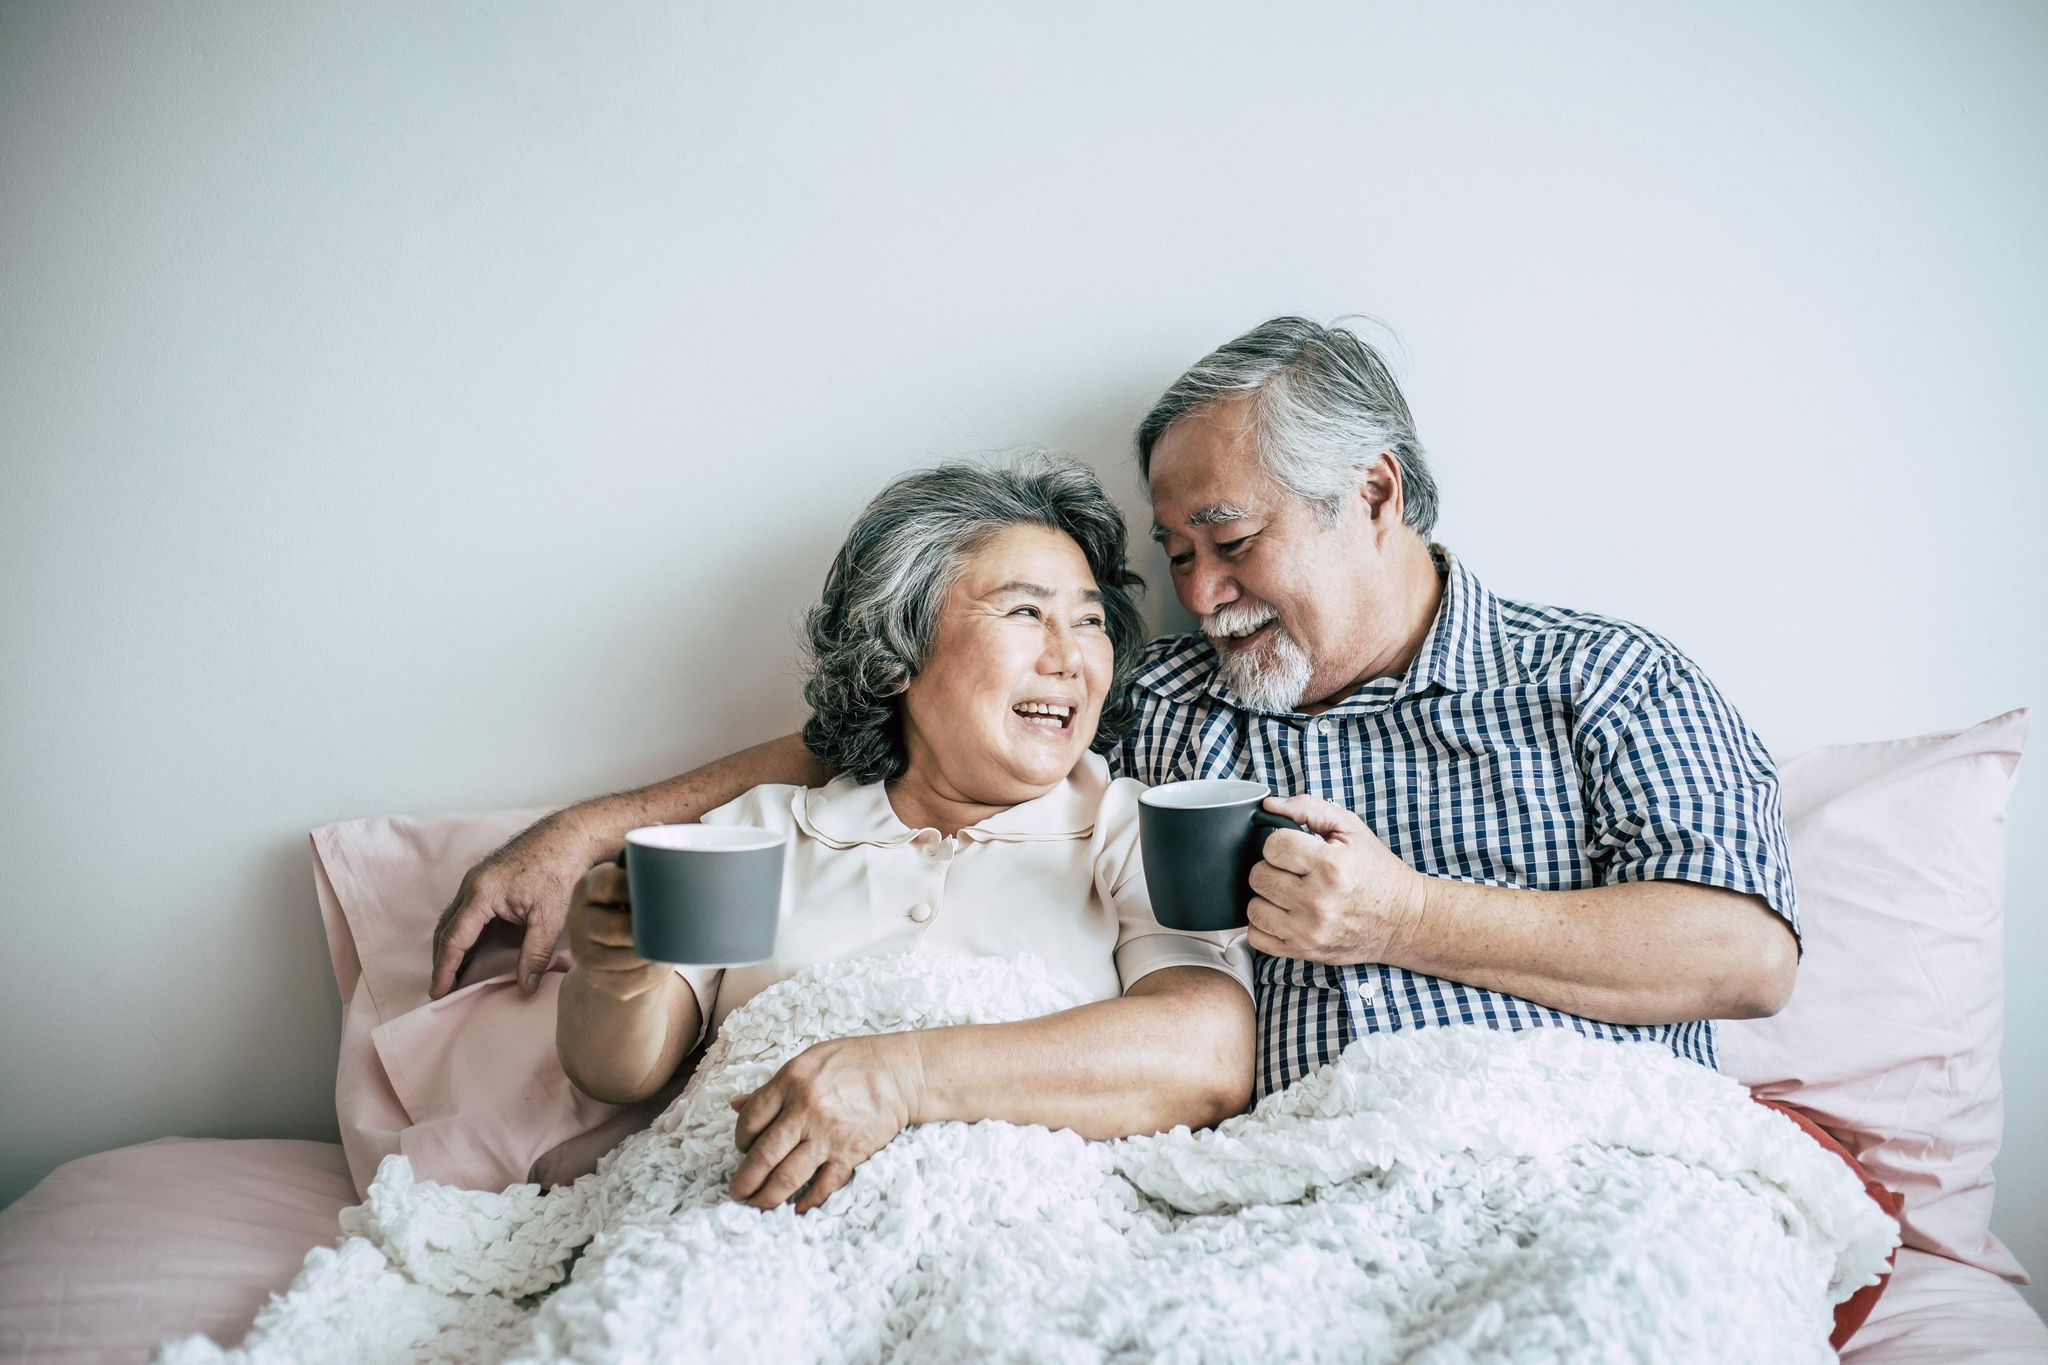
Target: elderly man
[{"x": 1528, "y": 816}]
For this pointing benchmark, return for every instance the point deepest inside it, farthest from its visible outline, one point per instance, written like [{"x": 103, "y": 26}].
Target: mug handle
[{"x": 1264, "y": 822}]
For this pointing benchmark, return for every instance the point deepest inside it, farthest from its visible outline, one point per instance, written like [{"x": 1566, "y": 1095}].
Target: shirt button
[
  {"x": 1322, "y": 727},
  {"x": 920, "y": 912}
]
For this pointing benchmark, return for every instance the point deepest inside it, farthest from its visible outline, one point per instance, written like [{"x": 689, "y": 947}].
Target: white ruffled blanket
[{"x": 1452, "y": 1194}]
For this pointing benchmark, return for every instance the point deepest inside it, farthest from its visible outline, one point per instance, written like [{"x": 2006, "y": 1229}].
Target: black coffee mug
[
  {"x": 1200, "y": 841},
  {"x": 704, "y": 895}
]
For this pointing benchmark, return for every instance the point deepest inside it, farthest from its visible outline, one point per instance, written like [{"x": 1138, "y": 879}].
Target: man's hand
[
  {"x": 528, "y": 881},
  {"x": 828, "y": 1109},
  {"x": 1341, "y": 898}
]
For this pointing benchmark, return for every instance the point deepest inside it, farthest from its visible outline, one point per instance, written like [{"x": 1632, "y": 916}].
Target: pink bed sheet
[
  {"x": 1937, "y": 1311},
  {"x": 112, "y": 1253}
]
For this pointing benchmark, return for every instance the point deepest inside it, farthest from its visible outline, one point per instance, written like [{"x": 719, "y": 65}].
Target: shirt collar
[
  {"x": 1463, "y": 651},
  {"x": 846, "y": 814},
  {"x": 1177, "y": 667}
]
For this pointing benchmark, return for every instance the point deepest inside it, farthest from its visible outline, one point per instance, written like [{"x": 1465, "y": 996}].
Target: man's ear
[{"x": 1379, "y": 485}]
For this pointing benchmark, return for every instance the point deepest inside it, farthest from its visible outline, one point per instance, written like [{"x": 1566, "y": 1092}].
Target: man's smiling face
[{"x": 1286, "y": 596}]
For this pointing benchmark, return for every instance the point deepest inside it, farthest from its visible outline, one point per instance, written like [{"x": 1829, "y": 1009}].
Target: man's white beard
[{"x": 1275, "y": 675}]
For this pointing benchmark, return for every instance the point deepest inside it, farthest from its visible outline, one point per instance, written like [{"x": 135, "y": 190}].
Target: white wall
[{"x": 450, "y": 406}]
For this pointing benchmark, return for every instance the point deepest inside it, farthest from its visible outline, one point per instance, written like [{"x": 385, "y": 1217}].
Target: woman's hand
[
  {"x": 828, "y": 1109},
  {"x": 623, "y": 1023},
  {"x": 600, "y": 931}
]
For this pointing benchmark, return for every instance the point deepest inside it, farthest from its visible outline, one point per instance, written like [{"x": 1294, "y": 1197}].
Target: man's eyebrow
[{"x": 1215, "y": 514}]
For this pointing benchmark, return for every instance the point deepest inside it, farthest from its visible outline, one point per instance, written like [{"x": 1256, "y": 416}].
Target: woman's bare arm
[
  {"x": 623, "y": 1048},
  {"x": 623, "y": 1024},
  {"x": 1176, "y": 1048}
]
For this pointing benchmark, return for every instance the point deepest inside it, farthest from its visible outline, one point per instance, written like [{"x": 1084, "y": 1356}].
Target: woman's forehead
[{"x": 1030, "y": 561}]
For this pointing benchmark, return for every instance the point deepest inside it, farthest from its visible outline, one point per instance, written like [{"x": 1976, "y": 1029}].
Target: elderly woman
[{"x": 972, "y": 649}]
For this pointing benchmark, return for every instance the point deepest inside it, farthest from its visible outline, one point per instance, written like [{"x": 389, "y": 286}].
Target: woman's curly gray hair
[{"x": 872, "y": 631}]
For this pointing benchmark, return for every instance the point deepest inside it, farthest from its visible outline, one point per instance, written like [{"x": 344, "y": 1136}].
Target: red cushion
[{"x": 1850, "y": 1313}]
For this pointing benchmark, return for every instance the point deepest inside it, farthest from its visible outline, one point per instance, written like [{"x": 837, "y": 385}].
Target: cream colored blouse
[{"x": 1059, "y": 876}]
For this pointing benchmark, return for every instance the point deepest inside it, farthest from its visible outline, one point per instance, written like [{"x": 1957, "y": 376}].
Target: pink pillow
[
  {"x": 1891, "y": 1037},
  {"x": 468, "y": 1086},
  {"x": 113, "y": 1253}
]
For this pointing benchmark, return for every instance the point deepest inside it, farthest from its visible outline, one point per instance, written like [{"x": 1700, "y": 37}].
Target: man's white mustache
[{"x": 1239, "y": 618}]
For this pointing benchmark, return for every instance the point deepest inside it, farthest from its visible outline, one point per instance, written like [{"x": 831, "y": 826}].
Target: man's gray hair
[
  {"x": 872, "y": 630},
  {"x": 1324, "y": 406}
]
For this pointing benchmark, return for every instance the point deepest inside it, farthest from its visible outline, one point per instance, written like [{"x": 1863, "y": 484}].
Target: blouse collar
[{"x": 844, "y": 813}]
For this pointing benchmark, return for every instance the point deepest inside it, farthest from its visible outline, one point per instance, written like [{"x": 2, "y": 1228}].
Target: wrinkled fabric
[
  {"x": 1891, "y": 1038},
  {"x": 468, "y": 1087},
  {"x": 1446, "y": 1195}
]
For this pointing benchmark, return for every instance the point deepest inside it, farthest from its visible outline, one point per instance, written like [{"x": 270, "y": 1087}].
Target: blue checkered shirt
[{"x": 1525, "y": 746}]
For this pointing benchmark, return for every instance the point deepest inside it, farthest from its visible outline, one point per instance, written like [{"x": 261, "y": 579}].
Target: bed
[
  {"x": 115, "y": 1252},
  {"x": 1899, "y": 850}
]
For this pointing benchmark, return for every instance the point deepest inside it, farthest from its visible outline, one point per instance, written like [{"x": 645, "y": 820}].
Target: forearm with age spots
[
  {"x": 1655, "y": 952},
  {"x": 603, "y": 821}
]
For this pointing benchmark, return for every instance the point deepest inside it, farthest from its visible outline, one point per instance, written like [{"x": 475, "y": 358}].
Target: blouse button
[{"x": 920, "y": 912}]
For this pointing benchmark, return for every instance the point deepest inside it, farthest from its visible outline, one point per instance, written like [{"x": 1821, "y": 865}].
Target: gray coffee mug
[
  {"x": 1200, "y": 841},
  {"x": 704, "y": 895}
]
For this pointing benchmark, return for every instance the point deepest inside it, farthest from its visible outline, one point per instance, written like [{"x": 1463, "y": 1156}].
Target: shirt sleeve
[
  {"x": 766, "y": 806},
  {"x": 1143, "y": 944},
  {"x": 1678, "y": 788}
]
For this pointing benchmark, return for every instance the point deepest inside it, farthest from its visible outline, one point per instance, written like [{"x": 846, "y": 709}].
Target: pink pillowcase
[
  {"x": 1892, "y": 1035},
  {"x": 469, "y": 1086},
  {"x": 112, "y": 1253}
]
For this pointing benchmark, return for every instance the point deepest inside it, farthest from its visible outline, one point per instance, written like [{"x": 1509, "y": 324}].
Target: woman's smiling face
[{"x": 1020, "y": 663}]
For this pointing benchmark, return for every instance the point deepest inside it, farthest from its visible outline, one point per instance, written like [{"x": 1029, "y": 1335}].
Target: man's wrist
[
  {"x": 1420, "y": 909},
  {"x": 588, "y": 828}
]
